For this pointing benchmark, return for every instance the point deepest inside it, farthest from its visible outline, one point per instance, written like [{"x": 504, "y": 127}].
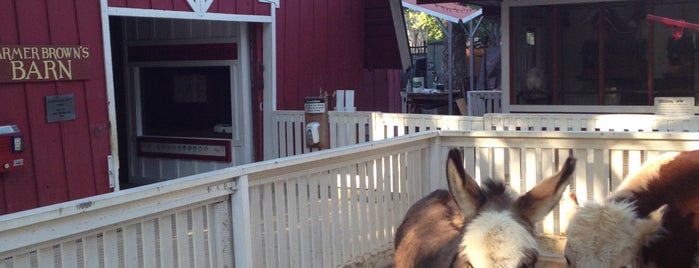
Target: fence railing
[
  {"x": 591, "y": 122},
  {"x": 324, "y": 209},
  {"x": 348, "y": 128}
]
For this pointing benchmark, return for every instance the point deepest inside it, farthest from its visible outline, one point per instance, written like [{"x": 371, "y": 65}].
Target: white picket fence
[
  {"x": 591, "y": 122},
  {"x": 330, "y": 208},
  {"x": 481, "y": 102},
  {"x": 348, "y": 128}
]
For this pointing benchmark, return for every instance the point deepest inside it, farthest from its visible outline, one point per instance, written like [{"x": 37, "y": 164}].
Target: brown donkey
[{"x": 479, "y": 227}]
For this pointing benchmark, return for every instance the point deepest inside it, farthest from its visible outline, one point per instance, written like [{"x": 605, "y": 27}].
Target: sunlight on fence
[{"x": 330, "y": 208}]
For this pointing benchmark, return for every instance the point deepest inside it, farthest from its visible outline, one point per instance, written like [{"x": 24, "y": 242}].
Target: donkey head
[
  {"x": 474, "y": 226},
  {"x": 501, "y": 233},
  {"x": 609, "y": 234}
]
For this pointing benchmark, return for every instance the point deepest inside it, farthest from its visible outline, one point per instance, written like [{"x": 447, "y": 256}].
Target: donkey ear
[
  {"x": 465, "y": 190},
  {"x": 540, "y": 200},
  {"x": 569, "y": 206}
]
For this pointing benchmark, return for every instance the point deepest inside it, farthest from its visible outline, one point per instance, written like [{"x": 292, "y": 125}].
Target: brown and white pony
[
  {"x": 650, "y": 220},
  {"x": 478, "y": 227}
]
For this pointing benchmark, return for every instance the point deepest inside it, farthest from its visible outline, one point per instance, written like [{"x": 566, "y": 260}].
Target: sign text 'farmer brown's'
[{"x": 43, "y": 63}]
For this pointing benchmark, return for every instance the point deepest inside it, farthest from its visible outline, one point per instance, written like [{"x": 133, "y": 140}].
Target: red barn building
[{"x": 96, "y": 96}]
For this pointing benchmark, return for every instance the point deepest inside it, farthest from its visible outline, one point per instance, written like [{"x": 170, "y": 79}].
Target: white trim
[
  {"x": 472, "y": 16},
  {"x": 109, "y": 79},
  {"x": 245, "y": 83},
  {"x": 169, "y": 14},
  {"x": 200, "y": 6},
  {"x": 269, "y": 99},
  {"x": 584, "y": 109},
  {"x": 275, "y": 2},
  {"x": 505, "y": 57}
]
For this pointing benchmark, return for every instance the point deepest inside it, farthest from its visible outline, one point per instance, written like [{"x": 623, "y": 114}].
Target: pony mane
[
  {"x": 606, "y": 227},
  {"x": 640, "y": 179}
]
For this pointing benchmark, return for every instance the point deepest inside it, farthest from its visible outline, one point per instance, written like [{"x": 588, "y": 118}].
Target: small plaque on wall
[
  {"x": 198, "y": 149},
  {"x": 674, "y": 106},
  {"x": 60, "y": 108}
]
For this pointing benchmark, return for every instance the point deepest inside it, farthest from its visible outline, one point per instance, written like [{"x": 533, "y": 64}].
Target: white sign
[
  {"x": 674, "y": 105},
  {"x": 314, "y": 106}
]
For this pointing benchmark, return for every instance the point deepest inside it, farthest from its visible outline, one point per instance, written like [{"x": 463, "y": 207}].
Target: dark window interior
[
  {"x": 605, "y": 53},
  {"x": 185, "y": 101}
]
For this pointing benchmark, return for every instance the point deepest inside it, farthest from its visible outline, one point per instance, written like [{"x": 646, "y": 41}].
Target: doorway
[{"x": 182, "y": 97}]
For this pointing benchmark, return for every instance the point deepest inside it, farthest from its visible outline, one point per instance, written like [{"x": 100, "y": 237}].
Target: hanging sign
[
  {"x": 314, "y": 105},
  {"x": 20, "y": 63}
]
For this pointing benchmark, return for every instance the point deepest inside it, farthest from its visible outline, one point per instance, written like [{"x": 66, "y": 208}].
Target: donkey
[
  {"x": 650, "y": 220},
  {"x": 478, "y": 227}
]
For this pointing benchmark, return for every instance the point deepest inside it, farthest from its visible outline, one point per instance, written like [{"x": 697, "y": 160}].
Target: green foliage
[{"x": 422, "y": 27}]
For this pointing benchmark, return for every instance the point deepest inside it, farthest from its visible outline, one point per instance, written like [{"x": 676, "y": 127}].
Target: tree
[{"x": 422, "y": 27}]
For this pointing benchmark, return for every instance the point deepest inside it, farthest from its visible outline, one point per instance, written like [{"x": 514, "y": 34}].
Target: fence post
[
  {"x": 435, "y": 170},
  {"x": 242, "y": 232},
  {"x": 376, "y": 133},
  {"x": 271, "y": 138}
]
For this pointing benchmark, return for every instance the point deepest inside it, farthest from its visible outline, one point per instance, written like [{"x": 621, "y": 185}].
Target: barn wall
[
  {"x": 64, "y": 160},
  {"x": 320, "y": 47},
  {"x": 240, "y": 7}
]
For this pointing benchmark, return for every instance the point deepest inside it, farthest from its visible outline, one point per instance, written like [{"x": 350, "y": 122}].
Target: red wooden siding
[
  {"x": 320, "y": 46},
  {"x": 64, "y": 160},
  {"x": 381, "y": 44},
  {"x": 240, "y": 7}
]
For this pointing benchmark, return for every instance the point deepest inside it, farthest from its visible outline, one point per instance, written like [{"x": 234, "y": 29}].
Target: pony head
[{"x": 609, "y": 234}]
